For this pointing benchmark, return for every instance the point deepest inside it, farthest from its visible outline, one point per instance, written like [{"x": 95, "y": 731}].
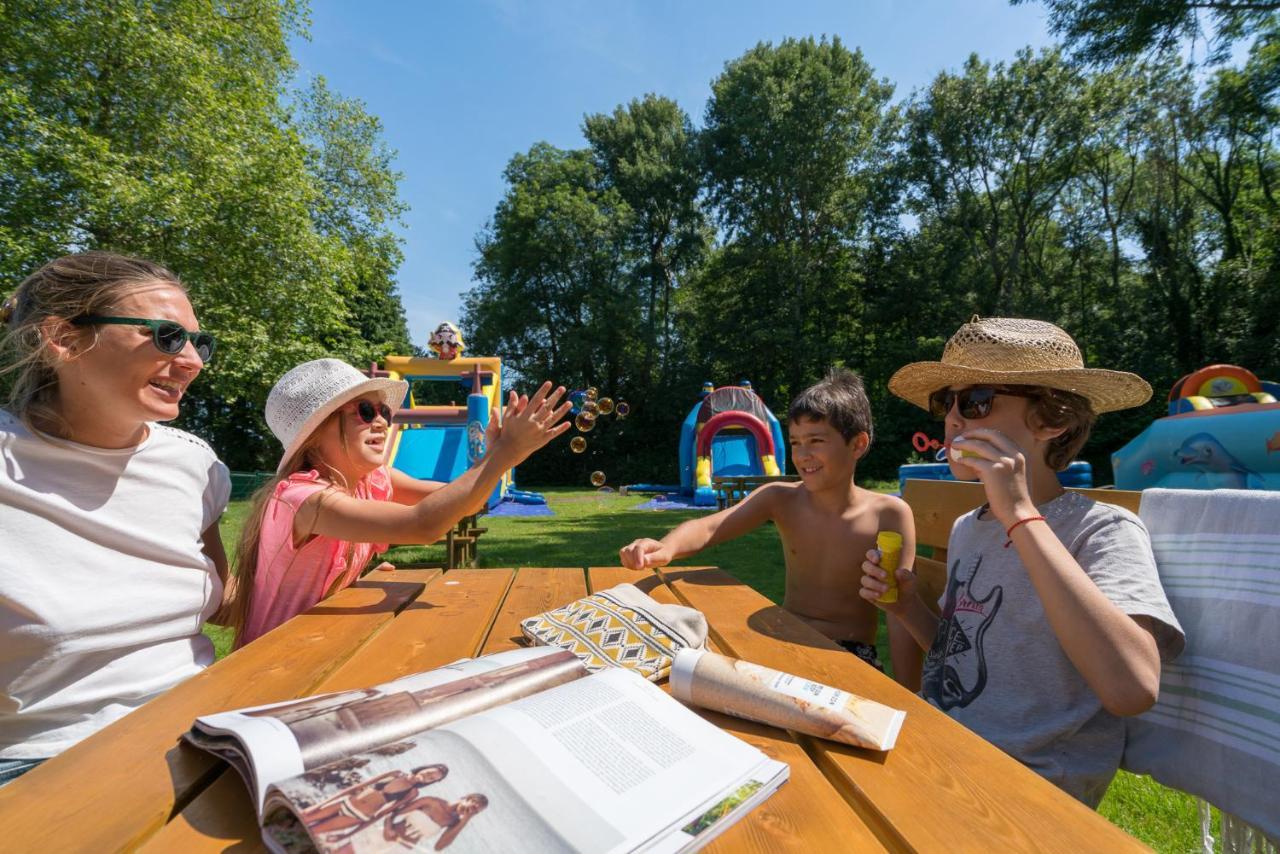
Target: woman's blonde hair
[
  {"x": 65, "y": 288},
  {"x": 306, "y": 458}
]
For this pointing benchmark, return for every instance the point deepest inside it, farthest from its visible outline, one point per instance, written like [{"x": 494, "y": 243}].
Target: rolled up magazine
[
  {"x": 757, "y": 693},
  {"x": 519, "y": 751}
]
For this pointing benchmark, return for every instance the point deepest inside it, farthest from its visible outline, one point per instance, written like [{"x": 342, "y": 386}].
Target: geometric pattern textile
[{"x": 620, "y": 628}]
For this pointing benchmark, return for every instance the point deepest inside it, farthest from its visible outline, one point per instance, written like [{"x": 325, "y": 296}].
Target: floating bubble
[
  {"x": 577, "y": 444},
  {"x": 592, "y": 392},
  {"x": 606, "y": 489},
  {"x": 591, "y": 406},
  {"x": 606, "y": 405},
  {"x": 585, "y": 421},
  {"x": 623, "y": 409},
  {"x": 597, "y": 478}
]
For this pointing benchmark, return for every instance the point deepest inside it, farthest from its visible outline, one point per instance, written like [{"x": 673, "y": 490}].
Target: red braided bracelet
[{"x": 1008, "y": 535}]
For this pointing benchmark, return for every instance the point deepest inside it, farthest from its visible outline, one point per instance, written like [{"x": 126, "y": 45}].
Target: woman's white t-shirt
[{"x": 103, "y": 583}]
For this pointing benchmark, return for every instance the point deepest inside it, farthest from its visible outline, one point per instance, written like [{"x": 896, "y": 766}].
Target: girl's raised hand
[{"x": 528, "y": 423}]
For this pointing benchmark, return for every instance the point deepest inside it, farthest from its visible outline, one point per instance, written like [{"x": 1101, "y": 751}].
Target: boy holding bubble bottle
[
  {"x": 1053, "y": 622},
  {"x": 826, "y": 521}
]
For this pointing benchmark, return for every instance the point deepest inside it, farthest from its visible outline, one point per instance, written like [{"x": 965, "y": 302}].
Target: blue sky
[{"x": 461, "y": 86}]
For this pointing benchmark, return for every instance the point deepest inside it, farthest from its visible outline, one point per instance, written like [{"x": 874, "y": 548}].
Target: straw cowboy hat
[
  {"x": 304, "y": 397},
  {"x": 1013, "y": 351}
]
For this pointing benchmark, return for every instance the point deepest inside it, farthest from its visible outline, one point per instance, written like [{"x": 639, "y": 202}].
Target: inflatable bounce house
[
  {"x": 1222, "y": 432},
  {"x": 729, "y": 433},
  {"x": 442, "y": 442}
]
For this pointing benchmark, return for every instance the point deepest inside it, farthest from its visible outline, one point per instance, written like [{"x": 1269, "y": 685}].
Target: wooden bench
[
  {"x": 730, "y": 490},
  {"x": 459, "y": 547},
  {"x": 936, "y": 504}
]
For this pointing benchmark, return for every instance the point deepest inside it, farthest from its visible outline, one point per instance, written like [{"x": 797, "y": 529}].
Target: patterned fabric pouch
[{"x": 620, "y": 627}]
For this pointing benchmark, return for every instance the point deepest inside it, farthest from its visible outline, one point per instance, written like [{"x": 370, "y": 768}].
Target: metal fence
[{"x": 245, "y": 483}]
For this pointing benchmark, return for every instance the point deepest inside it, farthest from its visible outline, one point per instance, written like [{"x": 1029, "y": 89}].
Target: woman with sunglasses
[
  {"x": 111, "y": 559},
  {"x": 334, "y": 503}
]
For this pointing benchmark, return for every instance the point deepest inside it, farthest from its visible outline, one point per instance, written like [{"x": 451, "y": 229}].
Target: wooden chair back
[{"x": 936, "y": 504}]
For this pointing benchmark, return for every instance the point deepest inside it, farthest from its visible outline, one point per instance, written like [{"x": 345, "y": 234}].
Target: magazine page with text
[
  {"x": 274, "y": 742},
  {"x": 604, "y": 763}
]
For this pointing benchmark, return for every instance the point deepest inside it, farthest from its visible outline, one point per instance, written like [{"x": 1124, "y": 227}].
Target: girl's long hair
[{"x": 307, "y": 457}]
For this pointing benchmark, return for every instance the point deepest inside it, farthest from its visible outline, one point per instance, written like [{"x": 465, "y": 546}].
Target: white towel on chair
[{"x": 1215, "y": 731}]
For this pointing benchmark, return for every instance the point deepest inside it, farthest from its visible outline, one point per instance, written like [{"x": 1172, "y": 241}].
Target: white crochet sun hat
[{"x": 305, "y": 396}]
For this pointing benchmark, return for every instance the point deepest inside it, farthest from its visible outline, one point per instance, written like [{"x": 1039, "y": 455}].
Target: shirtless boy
[{"x": 826, "y": 521}]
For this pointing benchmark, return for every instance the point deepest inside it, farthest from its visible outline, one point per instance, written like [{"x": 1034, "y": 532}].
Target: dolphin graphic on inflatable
[
  {"x": 1220, "y": 433},
  {"x": 1204, "y": 452}
]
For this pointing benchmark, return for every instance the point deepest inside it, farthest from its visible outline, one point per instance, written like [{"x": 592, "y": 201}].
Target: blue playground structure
[
  {"x": 1222, "y": 432},
  {"x": 442, "y": 442},
  {"x": 730, "y": 432}
]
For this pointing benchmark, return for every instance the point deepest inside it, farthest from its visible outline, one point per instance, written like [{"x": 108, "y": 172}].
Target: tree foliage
[
  {"x": 1107, "y": 32},
  {"x": 794, "y": 151},
  {"x": 168, "y": 130},
  {"x": 1135, "y": 205},
  {"x": 1109, "y": 187}
]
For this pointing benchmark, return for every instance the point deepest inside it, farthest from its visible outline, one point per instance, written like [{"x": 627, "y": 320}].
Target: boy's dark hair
[
  {"x": 1057, "y": 408},
  {"x": 838, "y": 399}
]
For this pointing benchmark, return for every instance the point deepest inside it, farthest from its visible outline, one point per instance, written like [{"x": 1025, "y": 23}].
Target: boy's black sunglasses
[
  {"x": 369, "y": 411},
  {"x": 974, "y": 402},
  {"x": 169, "y": 336}
]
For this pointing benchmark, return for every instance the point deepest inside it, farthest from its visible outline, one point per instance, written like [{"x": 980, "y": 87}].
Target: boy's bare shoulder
[
  {"x": 886, "y": 505},
  {"x": 782, "y": 491}
]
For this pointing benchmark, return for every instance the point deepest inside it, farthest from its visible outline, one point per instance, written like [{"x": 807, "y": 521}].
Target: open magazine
[{"x": 518, "y": 751}]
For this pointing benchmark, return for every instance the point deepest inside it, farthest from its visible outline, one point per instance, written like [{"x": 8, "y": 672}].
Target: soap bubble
[
  {"x": 585, "y": 421},
  {"x": 578, "y": 444},
  {"x": 592, "y": 393},
  {"x": 605, "y": 489},
  {"x": 606, "y": 405},
  {"x": 597, "y": 478},
  {"x": 623, "y": 409},
  {"x": 591, "y": 406}
]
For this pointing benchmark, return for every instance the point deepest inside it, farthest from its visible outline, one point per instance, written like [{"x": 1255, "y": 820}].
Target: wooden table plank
[
  {"x": 942, "y": 787},
  {"x": 807, "y": 813},
  {"x": 118, "y": 787},
  {"x": 534, "y": 591},
  {"x": 448, "y": 621}
]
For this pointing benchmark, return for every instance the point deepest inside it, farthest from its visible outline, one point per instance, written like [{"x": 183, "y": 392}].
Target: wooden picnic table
[{"x": 135, "y": 785}]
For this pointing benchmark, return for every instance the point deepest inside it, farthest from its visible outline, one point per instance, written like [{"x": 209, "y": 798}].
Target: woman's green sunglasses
[{"x": 169, "y": 336}]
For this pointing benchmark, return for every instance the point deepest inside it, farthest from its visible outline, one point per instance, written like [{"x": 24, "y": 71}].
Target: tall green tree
[
  {"x": 559, "y": 296},
  {"x": 158, "y": 129},
  {"x": 647, "y": 152},
  {"x": 553, "y": 293},
  {"x": 990, "y": 152},
  {"x": 358, "y": 203},
  {"x": 796, "y": 143}
]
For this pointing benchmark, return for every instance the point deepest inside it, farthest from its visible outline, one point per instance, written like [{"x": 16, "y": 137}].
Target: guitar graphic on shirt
[{"x": 957, "y": 658}]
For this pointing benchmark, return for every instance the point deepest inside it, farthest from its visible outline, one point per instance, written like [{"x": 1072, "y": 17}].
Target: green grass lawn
[{"x": 589, "y": 528}]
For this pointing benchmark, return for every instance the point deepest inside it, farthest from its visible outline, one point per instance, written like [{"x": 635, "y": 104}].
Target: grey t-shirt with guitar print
[{"x": 996, "y": 665}]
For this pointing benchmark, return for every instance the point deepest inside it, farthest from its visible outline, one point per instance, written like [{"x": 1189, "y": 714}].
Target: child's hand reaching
[
  {"x": 528, "y": 423},
  {"x": 645, "y": 553},
  {"x": 874, "y": 584}
]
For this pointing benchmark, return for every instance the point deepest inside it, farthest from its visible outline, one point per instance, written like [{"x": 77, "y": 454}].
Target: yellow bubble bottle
[{"x": 890, "y": 545}]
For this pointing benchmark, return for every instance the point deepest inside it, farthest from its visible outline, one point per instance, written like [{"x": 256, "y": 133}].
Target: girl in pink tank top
[{"x": 334, "y": 502}]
